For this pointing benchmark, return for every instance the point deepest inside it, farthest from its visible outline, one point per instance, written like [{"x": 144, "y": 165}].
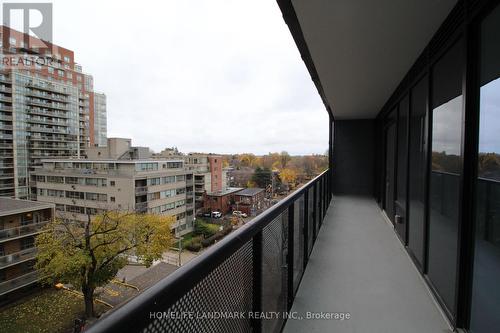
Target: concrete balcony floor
[{"x": 359, "y": 266}]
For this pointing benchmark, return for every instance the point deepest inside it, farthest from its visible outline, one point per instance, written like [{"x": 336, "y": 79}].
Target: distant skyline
[{"x": 208, "y": 76}]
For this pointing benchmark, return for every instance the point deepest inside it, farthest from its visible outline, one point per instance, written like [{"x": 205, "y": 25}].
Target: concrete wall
[{"x": 354, "y": 156}]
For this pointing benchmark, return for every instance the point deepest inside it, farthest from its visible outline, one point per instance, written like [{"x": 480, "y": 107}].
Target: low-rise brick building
[
  {"x": 249, "y": 201},
  {"x": 221, "y": 201}
]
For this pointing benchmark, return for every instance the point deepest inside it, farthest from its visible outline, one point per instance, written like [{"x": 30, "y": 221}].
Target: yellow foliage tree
[
  {"x": 288, "y": 176},
  {"x": 89, "y": 254}
]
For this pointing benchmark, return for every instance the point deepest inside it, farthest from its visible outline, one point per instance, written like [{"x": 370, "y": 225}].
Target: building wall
[
  {"x": 221, "y": 203},
  {"x": 45, "y": 111},
  {"x": 100, "y": 120},
  {"x": 353, "y": 156},
  {"x": 122, "y": 188},
  {"x": 215, "y": 164}
]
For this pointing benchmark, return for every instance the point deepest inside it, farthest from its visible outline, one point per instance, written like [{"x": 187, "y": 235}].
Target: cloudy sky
[{"x": 203, "y": 75}]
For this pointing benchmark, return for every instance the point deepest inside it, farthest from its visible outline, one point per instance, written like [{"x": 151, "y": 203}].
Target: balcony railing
[
  {"x": 256, "y": 269},
  {"x": 141, "y": 207},
  {"x": 141, "y": 190},
  {"x": 18, "y": 282},
  {"x": 24, "y": 230},
  {"x": 17, "y": 257}
]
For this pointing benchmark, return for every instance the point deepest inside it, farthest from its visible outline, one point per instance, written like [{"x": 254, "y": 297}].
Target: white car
[
  {"x": 216, "y": 215},
  {"x": 239, "y": 213}
]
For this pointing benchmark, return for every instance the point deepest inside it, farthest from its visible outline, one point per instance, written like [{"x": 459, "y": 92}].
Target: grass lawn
[{"x": 51, "y": 311}]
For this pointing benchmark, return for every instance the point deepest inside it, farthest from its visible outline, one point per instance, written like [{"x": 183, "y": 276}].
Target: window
[
  {"x": 75, "y": 209},
  {"x": 96, "y": 197},
  {"x": 55, "y": 179},
  {"x": 444, "y": 190},
  {"x": 112, "y": 183},
  {"x": 66, "y": 59},
  {"x": 60, "y": 73},
  {"x": 486, "y": 274},
  {"x": 112, "y": 199},
  {"x": 418, "y": 150},
  {"x": 168, "y": 179},
  {"x": 174, "y": 165},
  {"x": 75, "y": 195},
  {"x": 12, "y": 41},
  {"x": 27, "y": 242},
  {"x": 154, "y": 181},
  {"x": 146, "y": 166}
]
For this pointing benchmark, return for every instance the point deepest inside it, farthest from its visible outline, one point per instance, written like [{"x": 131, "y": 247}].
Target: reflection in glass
[
  {"x": 485, "y": 315},
  {"x": 418, "y": 135},
  {"x": 447, "y": 103}
]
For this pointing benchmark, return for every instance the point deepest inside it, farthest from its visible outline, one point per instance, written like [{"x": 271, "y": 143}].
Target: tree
[
  {"x": 88, "y": 255},
  {"x": 262, "y": 177},
  {"x": 284, "y": 159},
  {"x": 288, "y": 176}
]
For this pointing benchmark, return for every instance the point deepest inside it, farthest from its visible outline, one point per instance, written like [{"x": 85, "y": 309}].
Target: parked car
[
  {"x": 239, "y": 213},
  {"x": 207, "y": 214},
  {"x": 216, "y": 215}
]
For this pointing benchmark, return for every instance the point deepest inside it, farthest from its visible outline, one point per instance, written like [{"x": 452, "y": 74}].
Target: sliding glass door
[
  {"x": 485, "y": 316},
  {"x": 446, "y": 169}
]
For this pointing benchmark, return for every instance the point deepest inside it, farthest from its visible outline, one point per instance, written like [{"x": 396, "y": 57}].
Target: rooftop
[
  {"x": 227, "y": 191},
  {"x": 250, "y": 192},
  {"x": 82, "y": 160},
  {"x": 15, "y": 206}
]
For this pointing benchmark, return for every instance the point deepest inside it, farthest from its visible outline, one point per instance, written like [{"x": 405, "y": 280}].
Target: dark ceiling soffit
[{"x": 292, "y": 21}]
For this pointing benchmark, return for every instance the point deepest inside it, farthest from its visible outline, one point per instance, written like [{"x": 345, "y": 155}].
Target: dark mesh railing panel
[
  {"x": 319, "y": 212},
  {"x": 274, "y": 271},
  {"x": 310, "y": 235},
  {"x": 249, "y": 271},
  {"x": 298, "y": 241},
  {"x": 227, "y": 289}
]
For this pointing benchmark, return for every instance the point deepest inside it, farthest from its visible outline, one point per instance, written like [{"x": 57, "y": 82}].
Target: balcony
[
  {"x": 4, "y": 107},
  {"x": 5, "y": 79},
  {"x": 249, "y": 270},
  {"x": 47, "y": 112},
  {"x": 141, "y": 190},
  {"x": 48, "y": 88},
  {"x": 141, "y": 207},
  {"x": 354, "y": 264},
  {"x": 19, "y": 282},
  {"x": 359, "y": 266},
  {"x": 21, "y": 231},
  {"x": 17, "y": 257}
]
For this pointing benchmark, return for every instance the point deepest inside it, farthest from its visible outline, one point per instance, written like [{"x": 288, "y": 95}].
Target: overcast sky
[{"x": 213, "y": 76}]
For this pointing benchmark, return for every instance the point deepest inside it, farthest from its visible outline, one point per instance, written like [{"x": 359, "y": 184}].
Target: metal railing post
[
  {"x": 315, "y": 211},
  {"x": 290, "y": 256},
  {"x": 306, "y": 227},
  {"x": 257, "y": 281}
]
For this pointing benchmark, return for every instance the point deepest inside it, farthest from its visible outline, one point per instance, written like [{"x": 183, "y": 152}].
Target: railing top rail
[{"x": 168, "y": 290}]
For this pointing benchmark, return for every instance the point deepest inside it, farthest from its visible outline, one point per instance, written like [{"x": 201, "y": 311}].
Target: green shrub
[
  {"x": 205, "y": 229},
  {"x": 218, "y": 235},
  {"x": 193, "y": 244}
]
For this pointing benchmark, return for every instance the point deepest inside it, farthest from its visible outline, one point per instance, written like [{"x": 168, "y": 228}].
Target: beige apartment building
[
  {"x": 117, "y": 177},
  {"x": 20, "y": 222}
]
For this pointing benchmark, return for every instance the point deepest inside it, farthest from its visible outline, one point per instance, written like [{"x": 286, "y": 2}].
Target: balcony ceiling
[{"x": 362, "y": 49}]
